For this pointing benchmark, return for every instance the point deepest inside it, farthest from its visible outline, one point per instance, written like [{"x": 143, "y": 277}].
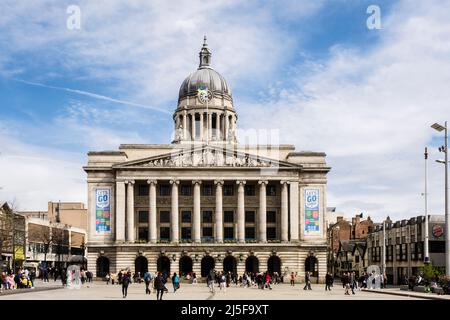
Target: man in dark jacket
[
  {"x": 160, "y": 286},
  {"x": 328, "y": 281},
  {"x": 307, "y": 281},
  {"x": 125, "y": 282}
]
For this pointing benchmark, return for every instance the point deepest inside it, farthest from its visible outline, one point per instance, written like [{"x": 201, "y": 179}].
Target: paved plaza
[{"x": 101, "y": 291}]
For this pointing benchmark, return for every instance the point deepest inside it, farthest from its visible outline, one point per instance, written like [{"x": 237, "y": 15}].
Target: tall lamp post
[
  {"x": 426, "y": 243},
  {"x": 444, "y": 149}
]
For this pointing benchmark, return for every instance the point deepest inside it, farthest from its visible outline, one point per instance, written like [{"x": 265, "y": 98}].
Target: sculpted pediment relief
[{"x": 206, "y": 157}]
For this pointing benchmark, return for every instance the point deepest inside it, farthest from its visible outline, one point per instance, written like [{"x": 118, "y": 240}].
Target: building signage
[
  {"x": 103, "y": 210},
  {"x": 437, "y": 231},
  {"x": 312, "y": 209}
]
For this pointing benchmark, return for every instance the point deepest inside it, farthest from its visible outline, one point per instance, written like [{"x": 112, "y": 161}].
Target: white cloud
[{"x": 371, "y": 113}]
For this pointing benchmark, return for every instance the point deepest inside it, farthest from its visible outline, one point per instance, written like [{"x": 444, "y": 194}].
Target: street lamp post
[
  {"x": 444, "y": 128},
  {"x": 426, "y": 253}
]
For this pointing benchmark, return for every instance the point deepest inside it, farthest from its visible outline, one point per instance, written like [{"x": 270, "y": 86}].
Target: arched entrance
[
  {"x": 312, "y": 266},
  {"x": 229, "y": 264},
  {"x": 185, "y": 265},
  {"x": 141, "y": 265},
  {"x": 163, "y": 265},
  {"x": 102, "y": 267},
  {"x": 252, "y": 264},
  {"x": 274, "y": 265},
  {"x": 208, "y": 263}
]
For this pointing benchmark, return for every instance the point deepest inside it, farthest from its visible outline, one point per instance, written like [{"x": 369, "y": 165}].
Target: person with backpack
[
  {"x": 175, "y": 282},
  {"x": 147, "y": 279}
]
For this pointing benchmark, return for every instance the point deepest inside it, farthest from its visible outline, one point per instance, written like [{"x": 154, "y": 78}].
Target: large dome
[{"x": 205, "y": 77}]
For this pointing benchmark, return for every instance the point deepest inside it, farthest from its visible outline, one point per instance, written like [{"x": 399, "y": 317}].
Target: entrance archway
[
  {"x": 252, "y": 264},
  {"x": 185, "y": 265},
  {"x": 312, "y": 266},
  {"x": 274, "y": 265},
  {"x": 163, "y": 265},
  {"x": 141, "y": 265},
  {"x": 208, "y": 263},
  {"x": 229, "y": 264},
  {"x": 102, "y": 267}
]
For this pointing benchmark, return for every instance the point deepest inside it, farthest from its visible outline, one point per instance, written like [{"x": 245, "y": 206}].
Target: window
[
  {"x": 398, "y": 253},
  {"x": 143, "y": 190},
  {"x": 164, "y": 233},
  {"x": 143, "y": 216},
  {"x": 357, "y": 259},
  {"x": 164, "y": 190},
  {"x": 271, "y": 190},
  {"x": 186, "y": 233},
  {"x": 250, "y": 190},
  {"x": 228, "y": 216},
  {"x": 271, "y": 216},
  {"x": 185, "y": 216},
  {"x": 186, "y": 190},
  {"x": 164, "y": 216},
  {"x": 249, "y": 216},
  {"x": 404, "y": 252},
  {"x": 419, "y": 250},
  {"x": 271, "y": 233},
  {"x": 228, "y": 233},
  {"x": 143, "y": 234},
  {"x": 250, "y": 233},
  {"x": 228, "y": 190},
  {"x": 207, "y": 217},
  {"x": 207, "y": 190},
  {"x": 437, "y": 246},
  {"x": 207, "y": 232}
]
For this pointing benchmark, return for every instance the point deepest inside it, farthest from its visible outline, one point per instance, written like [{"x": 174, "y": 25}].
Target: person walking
[
  {"x": 307, "y": 281},
  {"x": 267, "y": 280},
  {"x": 125, "y": 282},
  {"x": 292, "y": 279},
  {"x": 353, "y": 283},
  {"x": 210, "y": 279},
  {"x": 175, "y": 282},
  {"x": 147, "y": 279},
  {"x": 328, "y": 281},
  {"x": 108, "y": 278},
  {"x": 159, "y": 286},
  {"x": 223, "y": 282}
]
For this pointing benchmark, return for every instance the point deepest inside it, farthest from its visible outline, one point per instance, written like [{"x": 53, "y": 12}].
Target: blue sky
[{"x": 311, "y": 69}]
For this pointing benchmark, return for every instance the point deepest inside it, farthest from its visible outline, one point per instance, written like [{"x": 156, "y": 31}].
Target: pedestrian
[
  {"x": 352, "y": 281},
  {"x": 125, "y": 282},
  {"x": 268, "y": 280},
  {"x": 175, "y": 282},
  {"x": 64, "y": 277},
  {"x": 147, "y": 279},
  {"x": 328, "y": 281},
  {"x": 292, "y": 279},
  {"x": 108, "y": 278},
  {"x": 160, "y": 286},
  {"x": 307, "y": 281},
  {"x": 210, "y": 280},
  {"x": 223, "y": 283}
]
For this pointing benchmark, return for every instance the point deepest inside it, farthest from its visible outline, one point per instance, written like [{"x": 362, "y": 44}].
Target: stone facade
[{"x": 205, "y": 200}]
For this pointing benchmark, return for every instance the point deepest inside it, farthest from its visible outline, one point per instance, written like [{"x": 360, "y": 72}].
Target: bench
[
  {"x": 438, "y": 290},
  {"x": 404, "y": 287},
  {"x": 419, "y": 289}
]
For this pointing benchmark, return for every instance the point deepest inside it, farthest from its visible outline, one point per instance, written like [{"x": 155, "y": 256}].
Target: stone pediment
[{"x": 206, "y": 157}]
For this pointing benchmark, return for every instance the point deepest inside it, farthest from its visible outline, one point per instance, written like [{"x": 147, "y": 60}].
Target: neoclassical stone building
[{"x": 204, "y": 200}]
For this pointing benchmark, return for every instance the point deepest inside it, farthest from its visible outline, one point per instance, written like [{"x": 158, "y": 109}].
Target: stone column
[
  {"x": 174, "y": 212},
  {"x": 201, "y": 125},
  {"x": 284, "y": 211},
  {"x": 193, "y": 125},
  {"x": 209, "y": 126},
  {"x": 262, "y": 221},
  {"x": 241, "y": 212},
  {"x": 294, "y": 210},
  {"x": 120, "y": 211},
  {"x": 219, "y": 211},
  {"x": 152, "y": 233},
  {"x": 130, "y": 212},
  {"x": 218, "y": 125},
  {"x": 184, "y": 125},
  {"x": 196, "y": 221},
  {"x": 226, "y": 127}
]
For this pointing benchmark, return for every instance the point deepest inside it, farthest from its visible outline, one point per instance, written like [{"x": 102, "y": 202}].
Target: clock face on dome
[{"x": 204, "y": 95}]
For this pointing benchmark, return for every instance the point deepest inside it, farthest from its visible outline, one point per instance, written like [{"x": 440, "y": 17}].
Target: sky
[{"x": 310, "y": 70}]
